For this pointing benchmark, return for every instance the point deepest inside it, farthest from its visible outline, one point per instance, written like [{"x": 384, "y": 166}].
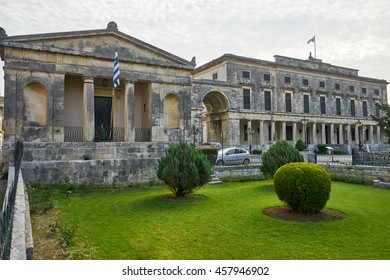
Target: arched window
[
  {"x": 35, "y": 104},
  {"x": 171, "y": 111}
]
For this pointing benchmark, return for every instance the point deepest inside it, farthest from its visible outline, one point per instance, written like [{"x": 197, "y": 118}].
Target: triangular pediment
[{"x": 100, "y": 44}]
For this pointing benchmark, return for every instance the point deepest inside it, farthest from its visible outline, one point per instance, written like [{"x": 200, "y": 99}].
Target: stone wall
[
  {"x": 364, "y": 174},
  {"x": 93, "y": 163}
]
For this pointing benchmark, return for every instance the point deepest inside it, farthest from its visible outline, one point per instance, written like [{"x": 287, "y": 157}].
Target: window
[
  {"x": 247, "y": 98},
  {"x": 351, "y": 88},
  {"x": 267, "y": 77},
  {"x": 377, "y": 111},
  {"x": 246, "y": 74},
  {"x": 353, "y": 134},
  {"x": 337, "y": 86},
  {"x": 306, "y": 108},
  {"x": 365, "y": 113},
  {"x": 287, "y": 80},
  {"x": 322, "y": 84},
  {"x": 288, "y": 101},
  {"x": 289, "y": 133},
  {"x": 322, "y": 105},
  {"x": 305, "y": 82},
  {"x": 352, "y": 107},
  {"x": 267, "y": 100},
  {"x": 215, "y": 76},
  {"x": 338, "y": 106},
  {"x": 364, "y": 90},
  {"x": 376, "y": 91}
]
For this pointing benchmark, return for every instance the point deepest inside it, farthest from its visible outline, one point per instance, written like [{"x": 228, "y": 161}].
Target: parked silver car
[{"x": 228, "y": 156}]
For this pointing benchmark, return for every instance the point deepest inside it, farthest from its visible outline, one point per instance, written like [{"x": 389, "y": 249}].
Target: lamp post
[
  {"x": 249, "y": 131},
  {"x": 195, "y": 131},
  {"x": 304, "y": 124},
  {"x": 358, "y": 125}
]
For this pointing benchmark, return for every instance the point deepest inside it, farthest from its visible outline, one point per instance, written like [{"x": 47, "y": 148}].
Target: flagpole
[
  {"x": 112, "y": 113},
  {"x": 315, "y": 49}
]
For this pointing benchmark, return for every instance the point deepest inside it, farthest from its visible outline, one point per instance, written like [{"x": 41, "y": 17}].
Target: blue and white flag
[
  {"x": 115, "y": 79},
  {"x": 312, "y": 40}
]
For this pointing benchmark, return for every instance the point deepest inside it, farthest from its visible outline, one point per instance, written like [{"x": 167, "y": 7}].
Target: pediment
[{"x": 99, "y": 44}]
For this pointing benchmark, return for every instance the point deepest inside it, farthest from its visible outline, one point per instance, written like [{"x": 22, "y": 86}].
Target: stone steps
[{"x": 214, "y": 180}]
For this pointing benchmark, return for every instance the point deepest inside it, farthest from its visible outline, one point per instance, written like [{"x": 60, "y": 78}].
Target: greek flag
[
  {"x": 312, "y": 40},
  {"x": 115, "y": 79}
]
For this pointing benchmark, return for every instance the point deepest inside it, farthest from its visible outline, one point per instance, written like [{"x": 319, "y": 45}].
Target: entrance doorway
[{"x": 103, "y": 107}]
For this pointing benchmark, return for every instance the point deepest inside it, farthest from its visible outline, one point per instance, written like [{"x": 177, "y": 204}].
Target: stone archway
[{"x": 215, "y": 123}]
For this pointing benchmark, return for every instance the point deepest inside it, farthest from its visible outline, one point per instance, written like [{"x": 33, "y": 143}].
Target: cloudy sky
[{"x": 350, "y": 33}]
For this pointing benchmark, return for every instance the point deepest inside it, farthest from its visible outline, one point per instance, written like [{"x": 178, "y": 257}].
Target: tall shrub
[
  {"x": 277, "y": 155},
  {"x": 300, "y": 145},
  {"x": 211, "y": 153},
  {"x": 304, "y": 186},
  {"x": 184, "y": 169}
]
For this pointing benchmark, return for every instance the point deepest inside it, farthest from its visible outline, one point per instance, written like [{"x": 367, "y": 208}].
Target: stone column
[
  {"x": 129, "y": 112},
  {"x": 283, "y": 130},
  {"x": 294, "y": 132},
  {"x": 88, "y": 109},
  {"x": 323, "y": 134},
  {"x": 341, "y": 134},
  {"x": 349, "y": 138},
  {"x": 261, "y": 132},
  {"x": 233, "y": 138},
  {"x": 272, "y": 132},
  {"x": 378, "y": 134},
  {"x": 332, "y": 134},
  {"x": 357, "y": 134},
  {"x": 314, "y": 133},
  {"x": 371, "y": 134}
]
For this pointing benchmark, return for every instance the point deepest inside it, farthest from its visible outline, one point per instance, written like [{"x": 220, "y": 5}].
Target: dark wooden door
[{"x": 103, "y": 107}]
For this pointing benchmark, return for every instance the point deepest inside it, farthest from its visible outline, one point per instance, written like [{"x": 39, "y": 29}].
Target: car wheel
[
  {"x": 246, "y": 161},
  {"x": 220, "y": 162}
]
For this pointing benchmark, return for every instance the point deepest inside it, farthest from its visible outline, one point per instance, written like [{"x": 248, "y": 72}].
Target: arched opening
[
  {"x": 171, "y": 111},
  {"x": 35, "y": 105},
  {"x": 215, "y": 124}
]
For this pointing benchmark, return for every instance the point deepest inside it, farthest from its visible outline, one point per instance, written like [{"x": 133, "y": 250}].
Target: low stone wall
[
  {"x": 237, "y": 171},
  {"x": 365, "y": 174},
  {"x": 91, "y": 162},
  {"x": 101, "y": 172}
]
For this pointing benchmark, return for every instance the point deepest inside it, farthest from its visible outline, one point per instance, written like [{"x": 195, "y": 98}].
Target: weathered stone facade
[
  {"x": 257, "y": 102},
  {"x": 59, "y": 101}
]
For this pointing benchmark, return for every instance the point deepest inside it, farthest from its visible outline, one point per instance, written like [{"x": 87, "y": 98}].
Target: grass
[{"x": 227, "y": 224}]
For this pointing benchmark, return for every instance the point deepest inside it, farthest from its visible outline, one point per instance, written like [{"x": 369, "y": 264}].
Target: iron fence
[
  {"x": 7, "y": 212},
  {"x": 73, "y": 133},
  {"x": 370, "y": 158},
  {"x": 142, "y": 135}
]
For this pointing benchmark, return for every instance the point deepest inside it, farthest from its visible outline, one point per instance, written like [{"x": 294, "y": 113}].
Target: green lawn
[{"x": 227, "y": 224}]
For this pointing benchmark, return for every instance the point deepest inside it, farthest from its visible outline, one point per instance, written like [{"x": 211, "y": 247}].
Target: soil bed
[{"x": 287, "y": 214}]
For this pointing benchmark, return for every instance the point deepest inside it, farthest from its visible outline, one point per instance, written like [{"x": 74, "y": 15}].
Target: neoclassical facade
[
  {"x": 58, "y": 91},
  {"x": 246, "y": 101}
]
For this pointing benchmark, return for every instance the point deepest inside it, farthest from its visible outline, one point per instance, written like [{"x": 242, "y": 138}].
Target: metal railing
[
  {"x": 142, "y": 135},
  {"x": 7, "y": 212},
  {"x": 73, "y": 133}
]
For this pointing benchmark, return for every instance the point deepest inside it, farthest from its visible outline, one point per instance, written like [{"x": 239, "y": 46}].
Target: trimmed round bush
[
  {"x": 277, "y": 155},
  {"x": 304, "y": 186},
  {"x": 300, "y": 146}
]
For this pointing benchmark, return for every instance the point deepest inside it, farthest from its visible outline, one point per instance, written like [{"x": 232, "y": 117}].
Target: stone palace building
[{"x": 59, "y": 100}]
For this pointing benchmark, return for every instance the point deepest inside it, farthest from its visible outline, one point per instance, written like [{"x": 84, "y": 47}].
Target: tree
[
  {"x": 383, "y": 122},
  {"x": 277, "y": 155},
  {"x": 184, "y": 169}
]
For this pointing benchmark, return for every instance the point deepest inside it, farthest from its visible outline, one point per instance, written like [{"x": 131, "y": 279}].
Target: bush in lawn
[
  {"x": 184, "y": 169},
  {"x": 300, "y": 145},
  {"x": 257, "y": 152},
  {"x": 321, "y": 149},
  {"x": 277, "y": 155},
  {"x": 211, "y": 153},
  {"x": 304, "y": 186}
]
